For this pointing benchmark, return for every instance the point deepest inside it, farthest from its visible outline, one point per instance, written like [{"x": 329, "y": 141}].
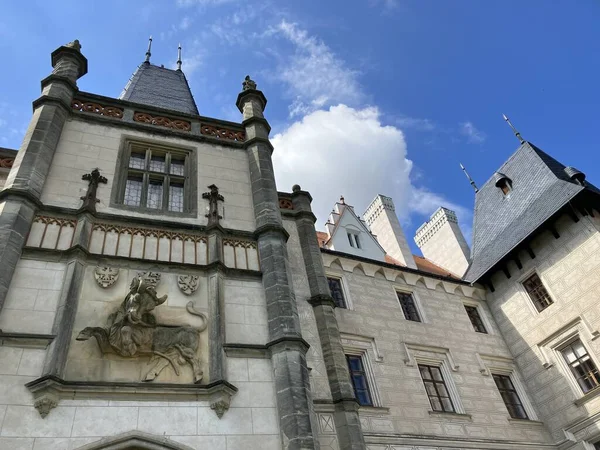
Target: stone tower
[
  {"x": 381, "y": 218},
  {"x": 441, "y": 241}
]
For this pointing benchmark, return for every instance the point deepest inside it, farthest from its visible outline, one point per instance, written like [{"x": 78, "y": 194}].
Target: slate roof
[
  {"x": 160, "y": 87},
  {"x": 540, "y": 187}
]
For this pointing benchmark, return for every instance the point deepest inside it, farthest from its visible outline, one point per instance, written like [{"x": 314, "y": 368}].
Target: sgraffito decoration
[
  {"x": 91, "y": 107},
  {"x": 151, "y": 278},
  {"x": 188, "y": 283},
  {"x": 133, "y": 332},
  {"x": 286, "y": 203},
  {"x": 222, "y": 133},
  {"x": 160, "y": 121},
  {"x": 106, "y": 276}
]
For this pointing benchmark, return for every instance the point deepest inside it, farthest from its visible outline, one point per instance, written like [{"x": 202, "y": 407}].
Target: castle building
[{"x": 158, "y": 292}]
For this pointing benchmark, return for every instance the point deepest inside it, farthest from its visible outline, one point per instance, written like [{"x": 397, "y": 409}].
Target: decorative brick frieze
[
  {"x": 6, "y": 162},
  {"x": 167, "y": 122},
  {"x": 95, "y": 108},
  {"x": 285, "y": 203},
  {"x": 222, "y": 133}
]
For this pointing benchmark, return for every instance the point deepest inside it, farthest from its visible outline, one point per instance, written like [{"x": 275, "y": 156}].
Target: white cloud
[
  {"x": 474, "y": 136},
  {"x": 347, "y": 151},
  {"x": 415, "y": 123},
  {"x": 315, "y": 76}
]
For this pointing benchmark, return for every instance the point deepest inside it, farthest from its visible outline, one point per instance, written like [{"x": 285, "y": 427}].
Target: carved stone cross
[
  {"x": 213, "y": 205},
  {"x": 90, "y": 199}
]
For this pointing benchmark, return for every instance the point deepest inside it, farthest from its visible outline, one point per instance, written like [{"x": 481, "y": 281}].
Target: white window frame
[
  {"x": 528, "y": 299},
  {"x": 363, "y": 350},
  {"x": 355, "y": 242},
  {"x": 482, "y": 313},
  {"x": 345, "y": 288},
  {"x": 416, "y": 299},
  {"x": 438, "y": 357}
]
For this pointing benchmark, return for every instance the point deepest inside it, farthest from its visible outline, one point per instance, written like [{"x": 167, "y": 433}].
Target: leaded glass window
[
  {"x": 510, "y": 397},
  {"x": 335, "y": 286},
  {"x": 438, "y": 394},
  {"x": 359, "y": 380},
  {"x": 537, "y": 292},
  {"x": 582, "y": 366},
  {"x": 409, "y": 307},
  {"x": 156, "y": 179},
  {"x": 475, "y": 318}
]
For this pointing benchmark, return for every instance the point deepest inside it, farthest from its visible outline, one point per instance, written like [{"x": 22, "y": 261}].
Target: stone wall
[
  {"x": 568, "y": 266},
  {"x": 84, "y": 146}
]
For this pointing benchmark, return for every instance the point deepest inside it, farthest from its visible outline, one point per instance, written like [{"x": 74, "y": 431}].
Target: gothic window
[
  {"x": 510, "y": 396},
  {"x": 409, "y": 307},
  {"x": 436, "y": 388},
  {"x": 476, "y": 321},
  {"x": 537, "y": 292},
  {"x": 582, "y": 366},
  {"x": 337, "y": 292},
  {"x": 359, "y": 380},
  {"x": 155, "y": 178}
]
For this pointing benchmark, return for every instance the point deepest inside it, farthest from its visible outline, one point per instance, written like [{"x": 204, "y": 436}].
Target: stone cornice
[
  {"x": 286, "y": 342},
  {"x": 321, "y": 300},
  {"x": 259, "y": 140},
  {"x": 46, "y": 99},
  {"x": 62, "y": 50},
  {"x": 29, "y": 340},
  {"x": 261, "y": 120},
  {"x": 7, "y": 193},
  {"x": 271, "y": 228},
  {"x": 247, "y": 93},
  {"x": 58, "y": 78}
]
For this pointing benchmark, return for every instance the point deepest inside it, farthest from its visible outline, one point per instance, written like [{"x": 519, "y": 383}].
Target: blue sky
[{"x": 365, "y": 96}]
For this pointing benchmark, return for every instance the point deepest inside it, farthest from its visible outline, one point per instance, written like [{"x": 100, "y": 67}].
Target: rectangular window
[
  {"x": 438, "y": 394},
  {"x": 357, "y": 241},
  {"x": 582, "y": 366},
  {"x": 335, "y": 286},
  {"x": 359, "y": 380},
  {"x": 476, "y": 321},
  {"x": 409, "y": 308},
  {"x": 354, "y": 240},
  {"x": 510, "y": 397},
  {"x": 156, "y": 179},
  {"x": 537, "y": 292}
]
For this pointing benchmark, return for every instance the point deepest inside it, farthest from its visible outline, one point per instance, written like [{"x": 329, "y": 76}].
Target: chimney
[
  {"x": 384, "y": 224},
  {"x": 442, "y": 242}
]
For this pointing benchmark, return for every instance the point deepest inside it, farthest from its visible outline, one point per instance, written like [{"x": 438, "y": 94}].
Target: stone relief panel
[
  {"x": 106, "y": 276},
  {"x": 188, "y": 284},
  {"x": 133, "y": 331},
  {"x": 140, "y": 330}
]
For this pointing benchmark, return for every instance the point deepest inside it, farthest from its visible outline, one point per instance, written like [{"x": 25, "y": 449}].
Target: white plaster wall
[
  {"x": 391, "y": 237},
  {"x": 569, "y": 268},
  {"x": 405, "y": 408},
  {"x": 448, "y": 249},
  {"x": 32, "y": 298},
  {"x": 84, "y": 146},
  {"x": 369, "y": 247}
]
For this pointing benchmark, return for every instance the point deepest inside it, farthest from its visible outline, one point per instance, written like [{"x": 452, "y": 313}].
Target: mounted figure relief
[{"x": 133, "y": 332}]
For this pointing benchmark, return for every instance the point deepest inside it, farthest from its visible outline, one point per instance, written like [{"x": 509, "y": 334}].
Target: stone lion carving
[{"x": 132, "y": 332}]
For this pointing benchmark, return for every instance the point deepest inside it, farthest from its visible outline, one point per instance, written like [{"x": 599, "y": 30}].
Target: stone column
[
  {"x": 347, "y": 421},
  {"x": 287, "y": 348},
  {"x": 21, "y": 195}
]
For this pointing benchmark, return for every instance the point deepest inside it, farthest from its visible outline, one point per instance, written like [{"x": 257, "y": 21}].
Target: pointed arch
[
  {"x": 380, "y": 273},
  {"x": 359, "y": 268},
  {"x": 135, "y": 440}
]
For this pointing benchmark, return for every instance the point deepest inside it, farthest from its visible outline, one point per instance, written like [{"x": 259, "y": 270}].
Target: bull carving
[{"x": 133, "y": 331}]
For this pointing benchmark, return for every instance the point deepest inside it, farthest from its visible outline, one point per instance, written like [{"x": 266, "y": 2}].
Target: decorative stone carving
[
  {"x": 220, "y": 406},
  {"x": 213, "y": 198},
  {"x": 152, "y": 279},
  {"x": 248, "y": 83},
  {"x": 45, "y": 404},
  {"x": 89, "y": 199},
  {"x": 222, "y": 133},
  {"x": 133, "y": 332},
  {"x": 106, "y": 276},
  {"x": 92, "y": 107},
  {"x": 167, "y": 122},
  {"x": 188, "y": 283}
]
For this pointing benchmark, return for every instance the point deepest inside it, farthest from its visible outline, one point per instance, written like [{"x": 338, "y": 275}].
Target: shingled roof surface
[
  {"x": 160, "y": 87},
  {"x": 540, "y": 187}
]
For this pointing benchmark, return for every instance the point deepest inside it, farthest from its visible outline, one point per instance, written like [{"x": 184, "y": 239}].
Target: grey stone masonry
[
  {"x": 288, "y": 349},
  {"x": 25, "y": 181},
  {"x": 346, "y": 418}
]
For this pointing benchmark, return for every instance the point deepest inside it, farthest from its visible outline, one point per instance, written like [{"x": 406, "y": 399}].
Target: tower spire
[
  {"x": 469, "y": 178},
  {"x": 179, "y": 57},
  {"x": 148, "y": 54},
  {"x": 517, "y": 134}
]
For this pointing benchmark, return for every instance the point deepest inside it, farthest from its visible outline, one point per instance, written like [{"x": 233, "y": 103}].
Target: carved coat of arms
[
  {"x": 151, "y": 278},
  {"x": 106, "y": 276},
  {"x": 188, "y": 283}
]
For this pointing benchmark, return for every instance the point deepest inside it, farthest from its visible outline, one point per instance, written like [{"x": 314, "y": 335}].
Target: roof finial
[
  {"x": 179, "y": 57},
  {"x": 517, "y": 134},
  {"x": 148, "y": 54},
  {"x": 342, "y": 201},
  {"x": 469, "y": 177}
]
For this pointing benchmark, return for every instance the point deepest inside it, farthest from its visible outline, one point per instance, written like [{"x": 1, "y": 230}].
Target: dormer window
[
  {"x": 503, "y": 182},
  {"x": 354, "y": 240}
]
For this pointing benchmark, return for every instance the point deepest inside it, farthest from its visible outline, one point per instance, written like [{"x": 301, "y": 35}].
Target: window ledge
[
  {"x": 587, "y": 397},
  {"x": 453, "y": 415},
  {"x": 374, "y": 409},
  {"x": 525, "y": 421}
]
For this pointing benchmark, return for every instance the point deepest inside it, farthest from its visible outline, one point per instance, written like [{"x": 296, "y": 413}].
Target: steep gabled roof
[
  {"x": 160, "y": 87},
  {"x": 539, "y": 188}
]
